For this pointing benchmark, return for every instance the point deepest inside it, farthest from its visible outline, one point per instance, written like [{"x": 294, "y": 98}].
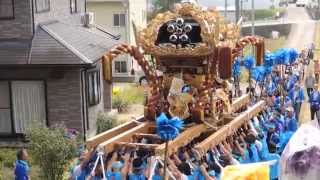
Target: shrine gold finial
[{"x": 169, "y": 33}]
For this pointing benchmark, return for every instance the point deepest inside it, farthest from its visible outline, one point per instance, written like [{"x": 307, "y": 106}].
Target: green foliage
[
  {"x": 7, "y": 158},
  {"x": 51, "y": 150},
  {"x": 127, "y": 96},
  {"x": 105, "y": 122}
]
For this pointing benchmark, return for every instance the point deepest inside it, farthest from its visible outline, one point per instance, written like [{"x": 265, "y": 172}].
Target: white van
[{"x": 301, "y": 3}]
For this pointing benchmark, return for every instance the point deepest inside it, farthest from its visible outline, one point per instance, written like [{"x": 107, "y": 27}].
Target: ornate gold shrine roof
[{"x": 214, "y": 31}]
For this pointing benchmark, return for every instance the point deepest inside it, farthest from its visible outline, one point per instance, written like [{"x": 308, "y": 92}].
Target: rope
[{"x": 100, "y": 157}]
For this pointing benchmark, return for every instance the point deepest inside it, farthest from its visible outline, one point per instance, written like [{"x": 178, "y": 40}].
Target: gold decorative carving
[{"x": 212, "y": 25}]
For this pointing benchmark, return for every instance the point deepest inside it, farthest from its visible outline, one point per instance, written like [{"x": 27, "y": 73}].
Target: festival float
[{"x": 194, "y": 49}]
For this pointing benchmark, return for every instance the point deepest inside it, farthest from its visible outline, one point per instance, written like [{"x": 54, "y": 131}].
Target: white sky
[{"x": 259, "y": 4}]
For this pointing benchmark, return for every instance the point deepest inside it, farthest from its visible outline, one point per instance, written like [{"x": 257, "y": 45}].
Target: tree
[
  {"x": 52, "y": 149},
  {"x": 159, "y": 6}
]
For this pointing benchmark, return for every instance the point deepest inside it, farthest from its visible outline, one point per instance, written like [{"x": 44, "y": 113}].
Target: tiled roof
[
  {"x": 58, "y": 43},
  {"x": 89, "y": 44}
]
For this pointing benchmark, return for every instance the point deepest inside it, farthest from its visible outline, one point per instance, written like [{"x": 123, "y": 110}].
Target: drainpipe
[
  {"x": 33, "y": 24},
  {"x": 84, "y": 102}
]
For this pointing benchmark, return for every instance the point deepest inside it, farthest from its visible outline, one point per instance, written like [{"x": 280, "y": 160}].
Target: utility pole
[
  {"x": 225, "y": 8},
  {"x": 252, "y": 17},
  {"x": 237, "y": 4}
]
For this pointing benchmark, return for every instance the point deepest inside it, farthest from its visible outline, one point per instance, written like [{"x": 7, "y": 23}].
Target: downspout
[
  {"x": 33, "y": 24},
  {"x": 84, "y": 102}
]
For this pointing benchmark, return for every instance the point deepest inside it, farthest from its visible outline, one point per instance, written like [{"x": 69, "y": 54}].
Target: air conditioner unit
[{"x": 88, "y": 19}]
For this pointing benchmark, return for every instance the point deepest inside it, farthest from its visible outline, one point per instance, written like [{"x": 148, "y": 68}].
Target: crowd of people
[{"x": 261, "y": 139}]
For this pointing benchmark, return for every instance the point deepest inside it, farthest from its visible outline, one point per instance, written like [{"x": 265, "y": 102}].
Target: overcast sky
[{"x": 259, "y": 4}]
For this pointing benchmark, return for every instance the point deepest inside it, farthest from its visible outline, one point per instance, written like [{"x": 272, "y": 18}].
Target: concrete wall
[
  {"x": 60, "y": 10},
  {"x": 21, "y": 26},
  {"x": 265, "y": 31}
]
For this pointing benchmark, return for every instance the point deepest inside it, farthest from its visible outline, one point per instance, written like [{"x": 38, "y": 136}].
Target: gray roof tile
[
  {"x": 87, "y": 43},
  {"x": 47, "y": 50},
  {"x": 57, "y": 43}
]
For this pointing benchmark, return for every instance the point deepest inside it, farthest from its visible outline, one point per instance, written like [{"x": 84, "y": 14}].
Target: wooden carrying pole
[{"x": 222, "y": 134}]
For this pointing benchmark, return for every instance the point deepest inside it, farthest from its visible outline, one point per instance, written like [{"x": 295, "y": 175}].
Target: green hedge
[{"x": 261, "y": 14}]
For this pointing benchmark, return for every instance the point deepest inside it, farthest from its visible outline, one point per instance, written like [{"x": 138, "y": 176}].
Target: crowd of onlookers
[{"x": 263, "y": 138}]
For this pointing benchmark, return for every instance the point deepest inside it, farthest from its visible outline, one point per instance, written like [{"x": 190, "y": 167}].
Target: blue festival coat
[
  {"x": 299, "y": 98},
  {"x": 315, "y": 100}
]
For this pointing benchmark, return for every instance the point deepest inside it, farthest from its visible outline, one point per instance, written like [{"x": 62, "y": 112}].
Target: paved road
[{"x": 301, "y": 35}]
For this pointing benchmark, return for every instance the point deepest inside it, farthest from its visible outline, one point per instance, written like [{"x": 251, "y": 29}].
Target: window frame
[
  {"x": 75, "y": 10},
  {"x": 9, "y": 17},
  {"x": 121, "y": 61},
  {"x": 91, "y": 99},
  {"x": 44, "y": 10},
  {"x": 119, "y": 18}
]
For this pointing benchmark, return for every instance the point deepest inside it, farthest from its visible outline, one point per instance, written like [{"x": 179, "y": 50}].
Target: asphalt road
[{"x": 302, "y": 33}]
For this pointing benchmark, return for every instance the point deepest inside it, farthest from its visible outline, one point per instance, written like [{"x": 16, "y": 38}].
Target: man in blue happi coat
[
  {"x": 314, "y": 101},
  {"x": 291, "y": 123},
  {"x": 270, "y": 87},
  {"x": 297, "y": 97},
  {"x": 281, "y": 102}
]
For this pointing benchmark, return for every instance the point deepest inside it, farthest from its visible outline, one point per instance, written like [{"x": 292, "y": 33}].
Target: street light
[
  {"x": 125, "y": 4},
  {"x": 252, "y": 17}
]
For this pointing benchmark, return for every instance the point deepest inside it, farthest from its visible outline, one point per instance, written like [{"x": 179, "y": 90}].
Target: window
[
  {"x": 42, "y": 6},
  {"x": 21, "y": 104},
  {"x": 28, "y": 104},
  {"x": 120, "y": 66},
  {"x": 119, "y": 20},
  {"x": 73, "y": 6},
  {"x": 6, "y": 9},
  {"x": 94, "y": 88}
]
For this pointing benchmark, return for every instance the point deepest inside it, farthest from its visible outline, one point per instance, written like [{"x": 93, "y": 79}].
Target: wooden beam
[
  {"x": 138, "y": 145},
  {"x": 183, "y": 139},
  {"x": 125, "y": 136},
  {"x": 219, "y": 136},
  {"x": 240, "y": 102},
  {"x": 149, "y": 136},
  {"x": 98, "y": 139}
]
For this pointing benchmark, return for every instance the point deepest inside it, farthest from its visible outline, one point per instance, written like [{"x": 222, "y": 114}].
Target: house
[
  {"x": 117, "y": 16},
  {"x": 50, "y": 68}
]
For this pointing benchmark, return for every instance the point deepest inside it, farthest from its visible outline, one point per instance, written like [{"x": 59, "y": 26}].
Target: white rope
[
  {"x": 153, "y": 168},
  {"x": 100, "y": 157},
  {"x": 168, "y": 171}
]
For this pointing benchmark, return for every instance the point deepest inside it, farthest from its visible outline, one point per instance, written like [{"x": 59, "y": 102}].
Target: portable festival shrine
[{"x": 194, "y": 49}]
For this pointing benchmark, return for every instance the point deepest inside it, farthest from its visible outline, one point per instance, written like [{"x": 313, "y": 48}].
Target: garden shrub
[
  {"x": 105, "y": 122},
  {"x": 52, "y": 150}
]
